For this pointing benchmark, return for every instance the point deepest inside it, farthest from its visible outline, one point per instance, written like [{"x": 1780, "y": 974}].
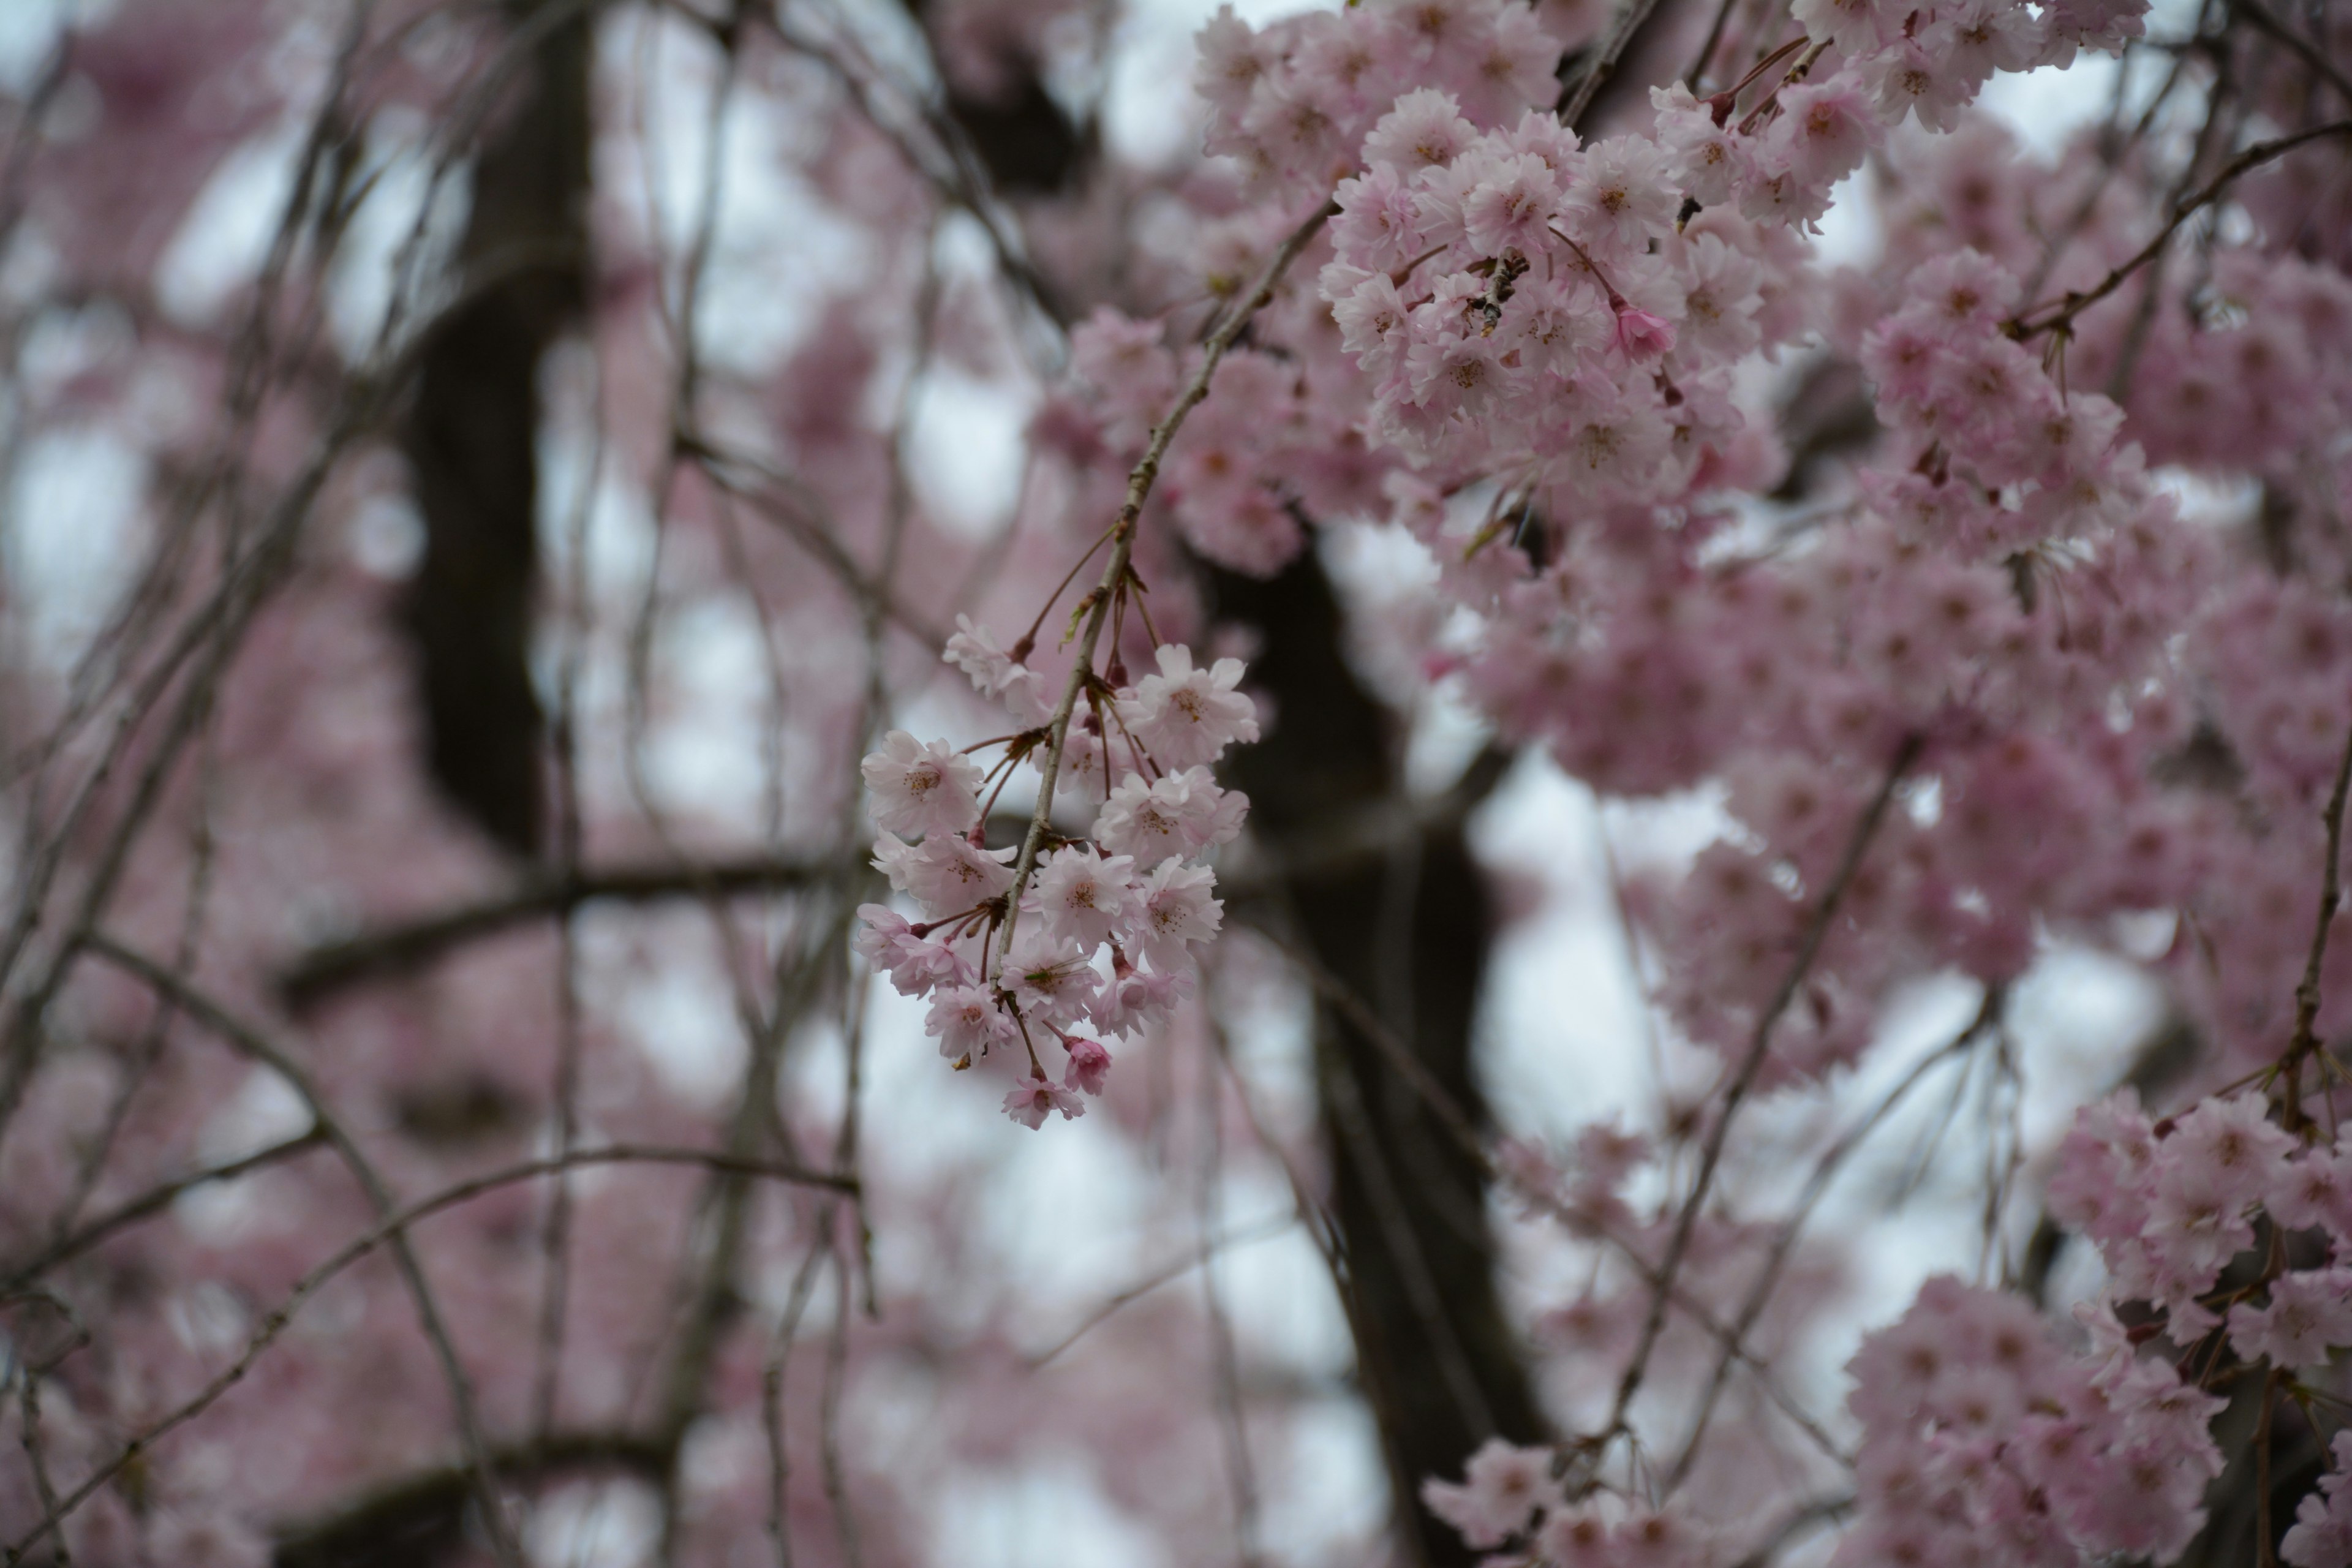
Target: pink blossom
[
  {"x": 947, "y": 874},
  {"x": 922, "y": 788},
  {"x": 967, "y": 1022},
  {"x": 1424, "y": 130},
  {"x": 1501, "y": 1489},
  {"x": 1176, "y": 912},
  {"x": 1089, "y": 1066},
  {"x": 1640, "y": 335},
  {"x": 1137, "y": 999},
  {"x": 1084, "y": 896},
  {"x": 995, "y": 673},
  {"x": 2316, "y": 1190},
  {"x": 1621, "y": 199},
  {"x": 915, "y": 965},
  {"x": 1038, "y": 1097},
  {"x": 2309, "y": 1314},
  {"x": 2234, "y": 1144},
  {"x": 1186, "y": 717},
  {"x": 1908, "y": 76},
  {"x": 1827, "y": 127},
  {"x": 1378, "y": 225},
  {"x": 1178, "y": 814},
  {"x": 1051, "y": 978},
  {"x": 2322, "y": 1535}
]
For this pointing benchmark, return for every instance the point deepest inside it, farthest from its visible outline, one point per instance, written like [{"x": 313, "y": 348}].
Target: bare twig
[
  {"x": 1273, "y": 1225},
  {"x": 1593, "y": 77},
  {"x": 1760, "y": 1293},
  {"x": 1457, "y": 1125},
  {"x": 152, "y": 1202},
  {"x": 2300, "y": 47}
]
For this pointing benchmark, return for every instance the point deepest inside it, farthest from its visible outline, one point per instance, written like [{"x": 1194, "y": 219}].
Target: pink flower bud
[
  {"x": 1089, "y": 1066},
  {"x": 1640, "y": 335}
]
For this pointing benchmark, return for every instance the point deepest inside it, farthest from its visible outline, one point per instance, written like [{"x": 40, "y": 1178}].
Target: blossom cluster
[
  {"x": 1984, "y": 1443},
  {"x": 2170, "y": 1203},
  {"x": 1508, "y": 1492},
  {"x": 1980, "y": 1431},
  {"x": 1103, "y": 937},
  {"x": 2091, "y": 710}
]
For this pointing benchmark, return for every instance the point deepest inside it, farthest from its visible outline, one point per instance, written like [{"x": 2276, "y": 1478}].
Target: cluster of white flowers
[{"x": 1104, "y": 936}]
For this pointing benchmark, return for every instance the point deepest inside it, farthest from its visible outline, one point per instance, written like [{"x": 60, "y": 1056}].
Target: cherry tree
[{"x": 665, "y": 659}]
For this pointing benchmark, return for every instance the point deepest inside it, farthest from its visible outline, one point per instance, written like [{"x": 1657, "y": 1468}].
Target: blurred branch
[
  {"x": 152, "y": 1202},
  {"x": 1242, "y": 1236},
  {"x": 784, "y": 500},
  {"x": 2296, "y": 44},
  {"x": 405, "y": 946},
  {"x": 421, "y": 1518},
  {"x": 951, "y": 164},
  {"x": 1630, "y": 21},
  {"x": 254, "y": 1047},
  {"x": 393, "y": 1229}
]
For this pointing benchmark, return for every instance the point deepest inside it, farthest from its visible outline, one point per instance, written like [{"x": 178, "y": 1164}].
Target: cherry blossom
[
  {"x": 1185, "y": 716},
  {"x": 1035, "y": 1099},
  {"x": 922, "y": 788}
]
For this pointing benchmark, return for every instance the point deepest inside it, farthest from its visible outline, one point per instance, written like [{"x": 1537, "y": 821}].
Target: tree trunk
[
  {"x": 1410, "y": 936},
  {"x": 472, "y": 441}
]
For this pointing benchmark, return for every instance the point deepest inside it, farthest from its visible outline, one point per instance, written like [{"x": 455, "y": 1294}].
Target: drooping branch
[
  {"x": 1140, "y": 481},
  {"x": 2062, "y": 316},
  {"x": 2305, "y": 1038},
  {"x": 1784, "y": 1241}
]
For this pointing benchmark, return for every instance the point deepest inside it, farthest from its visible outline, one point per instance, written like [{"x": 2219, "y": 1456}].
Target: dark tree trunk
[
  {"x": 1409, "y": 934},
  {"x": 472, "y": 441}
]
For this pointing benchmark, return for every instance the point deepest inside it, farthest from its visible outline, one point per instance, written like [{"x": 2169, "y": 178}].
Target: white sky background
[{"x": 1565, "y": 1019}]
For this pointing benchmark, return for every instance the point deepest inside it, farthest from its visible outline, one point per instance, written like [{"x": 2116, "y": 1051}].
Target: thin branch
[
  {"x": 1272, "y": 1226},
  {"x": 1604, "y": 64},
  {"x": 152, "y": 1202},
  {"x": 1457, "y": 1126},
  {"x": 2305, "y": 1040},
  {"x": 1760, "y": 1293},
  {"x": 2062, "y": 316},
  {"x": 1231, "y": 1410}
]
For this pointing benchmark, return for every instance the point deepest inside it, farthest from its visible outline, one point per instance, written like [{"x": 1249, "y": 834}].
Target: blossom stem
[
  {"x": 1756, "y": 71},
  {"x": 1121, "y": 534},
  {"x": 1029, "y": 639},
  {"x": 1797, "y": 73}
]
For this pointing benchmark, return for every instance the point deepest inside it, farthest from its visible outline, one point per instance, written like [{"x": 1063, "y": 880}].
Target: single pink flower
[{"x": 1038, "y": 1097}]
